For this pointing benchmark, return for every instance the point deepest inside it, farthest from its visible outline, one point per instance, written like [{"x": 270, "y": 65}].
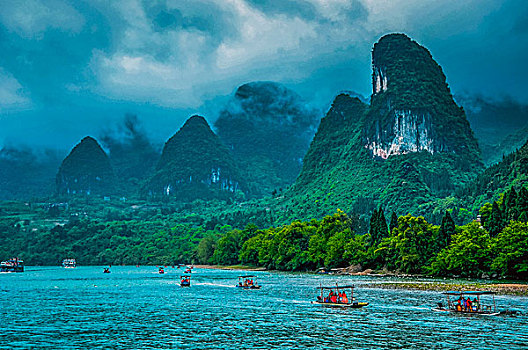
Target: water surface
[{"x": 135, "y": 308}]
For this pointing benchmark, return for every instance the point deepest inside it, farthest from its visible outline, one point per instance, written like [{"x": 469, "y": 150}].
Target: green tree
[
  {"x": 512, "y": 251},
  {"x": 445, "y": 232},
  {"x": 336, "y": 255},
  {"x": 495, "y": 222},
  {"x": 206, "y": 248},
  {"x": 522, "y": 204},
  {"x": 228, "y": 248},
  {"x": 378, "y": 227},
  {"x": 510, "y": 205},
  {"x": 409, "y": 248},
  {"x": 468, "y": 255},
  {"x": 383, "y": 229},
  {"x": 393, "y": 222},
  {"x": 373, "y": 229},
  {"x": 485, "y": 214}
]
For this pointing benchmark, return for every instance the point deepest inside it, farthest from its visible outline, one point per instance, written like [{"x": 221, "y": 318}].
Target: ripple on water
[{"x": 138, "y": 308}]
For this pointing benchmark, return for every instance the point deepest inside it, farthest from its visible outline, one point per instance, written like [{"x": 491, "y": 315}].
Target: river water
[{"x": 136, "y": 308}]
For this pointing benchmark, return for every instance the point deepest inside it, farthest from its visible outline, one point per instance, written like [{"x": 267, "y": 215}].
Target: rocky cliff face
[
  {"x": 195, "y": 164},
  {"x": 86, "y": 170},
  {"x": 412, "y": 109},
  {"x": 268, "y": 128},
  {"x": 410, "y": 132}
]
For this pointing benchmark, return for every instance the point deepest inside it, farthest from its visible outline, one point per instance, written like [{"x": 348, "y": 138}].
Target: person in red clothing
[
  {"x": 344, "y": 298},
  {"x": 333, "y": 298}
]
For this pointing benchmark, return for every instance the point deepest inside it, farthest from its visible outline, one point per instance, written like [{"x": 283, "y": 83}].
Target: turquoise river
[{"x": 137, "y": 308}]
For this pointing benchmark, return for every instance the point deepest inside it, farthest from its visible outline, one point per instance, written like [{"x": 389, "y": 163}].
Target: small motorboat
[
  {"x": 12, "y": 265},
  {"x": 464, "y": 305},
  {"x": 185, "y": 281},
  {"x": 248, "y": 282},
  {"x": 338, "y": 297},
  {"x": 69, "y": 263}
]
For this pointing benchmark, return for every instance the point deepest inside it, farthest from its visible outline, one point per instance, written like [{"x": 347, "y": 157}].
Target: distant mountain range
[{"x": 409, "y": 147}]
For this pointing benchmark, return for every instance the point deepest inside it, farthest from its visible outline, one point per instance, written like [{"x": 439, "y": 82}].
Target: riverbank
[
  {"x": 517, "y": 289},
  {"x": 232, "y": 267}
]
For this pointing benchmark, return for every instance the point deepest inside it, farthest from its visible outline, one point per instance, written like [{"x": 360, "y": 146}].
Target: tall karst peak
[
  {"x": 411, "y": 146},
  {"x": 195, "y": 164},
  {"x": 268, "y": 127},
  {"x": 412, "y": 109},
  {"x": 86, "y": 170},
  {"x": 335, "y": 135}
]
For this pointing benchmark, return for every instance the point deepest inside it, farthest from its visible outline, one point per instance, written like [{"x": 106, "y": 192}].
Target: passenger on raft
[
  {"x": 343, "y": 298},
  {"x": 336, "y": 298},
  {"x": 458, "y": 306},
  {"x": 476, "y": 306}
]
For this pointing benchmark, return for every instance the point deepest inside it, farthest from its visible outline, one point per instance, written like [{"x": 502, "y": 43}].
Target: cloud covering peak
[{"x": 73, "y": 62}]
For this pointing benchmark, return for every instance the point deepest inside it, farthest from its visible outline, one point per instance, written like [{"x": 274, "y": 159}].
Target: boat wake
[{"x": 213, "y": 284}]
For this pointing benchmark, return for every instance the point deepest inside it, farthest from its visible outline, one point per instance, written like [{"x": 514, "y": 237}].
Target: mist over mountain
[
  {"x": 268, "y": 128},
  {"x": 27, "y": 173},
  {"x": 132, "y": 154},
  {"x": 500, "y": 124}
]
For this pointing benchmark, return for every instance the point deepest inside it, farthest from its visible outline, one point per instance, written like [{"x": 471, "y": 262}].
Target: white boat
[{"x": 69, "y": 263}]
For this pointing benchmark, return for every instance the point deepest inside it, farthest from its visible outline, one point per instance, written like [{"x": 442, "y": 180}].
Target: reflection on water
[{"x": 139, "y": 308}]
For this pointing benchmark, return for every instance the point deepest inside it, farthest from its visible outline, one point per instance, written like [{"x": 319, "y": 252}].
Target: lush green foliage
[
  {"x": 511, "y": 171},
  {"x": 169, "y": 234},
  {"x": 411, "y": 246}
]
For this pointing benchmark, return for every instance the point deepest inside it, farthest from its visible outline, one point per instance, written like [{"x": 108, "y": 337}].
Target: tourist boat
[
  {"x": 69, "y": 263},
  {"x": 106, "y": 270},
  {"x": 476, "y": 307},
  {"x": 161, "y": 270},
  {"x": 185, "y": 281},
  {"x": 341, "y": 300},
  {"x": 248, "y": 282},
  {"x": 12, "y": 265}
]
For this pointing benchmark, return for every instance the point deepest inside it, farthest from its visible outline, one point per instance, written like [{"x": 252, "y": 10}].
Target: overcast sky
[{"x": 74, "y": 68}]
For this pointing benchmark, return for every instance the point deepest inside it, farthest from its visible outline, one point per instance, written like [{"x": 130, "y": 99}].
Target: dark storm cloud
[
  {"x": 70, "y": 67},
  {"x": 296, "y": 8},
  {"x": 51, "y": 60}
]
